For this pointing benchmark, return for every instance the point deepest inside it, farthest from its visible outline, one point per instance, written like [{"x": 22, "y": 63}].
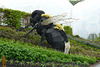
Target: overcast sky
[{"x": 87, "y": 11}]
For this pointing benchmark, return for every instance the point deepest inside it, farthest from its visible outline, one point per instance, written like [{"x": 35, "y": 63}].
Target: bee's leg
[
  {"x": 42, "y": 37},
  {"x": 30, "y": 31},
  {"x": 24, "y": 28}
]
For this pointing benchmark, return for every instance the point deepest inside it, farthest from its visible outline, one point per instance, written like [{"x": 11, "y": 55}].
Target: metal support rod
[{"x": 71, "y": 11}]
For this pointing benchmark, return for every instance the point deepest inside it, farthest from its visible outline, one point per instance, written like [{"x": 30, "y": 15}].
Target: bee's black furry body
[{"x": 54, "y": 37}]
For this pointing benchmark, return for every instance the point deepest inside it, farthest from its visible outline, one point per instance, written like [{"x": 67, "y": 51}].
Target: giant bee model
[{"x": 54, "y": 33}]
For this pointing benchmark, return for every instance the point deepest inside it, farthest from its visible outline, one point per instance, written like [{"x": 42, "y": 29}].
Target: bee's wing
[{"x": 54, "y": 19}]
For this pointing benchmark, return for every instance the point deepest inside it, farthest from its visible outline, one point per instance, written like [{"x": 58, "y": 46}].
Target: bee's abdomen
[{"x": 55, "y": 38}]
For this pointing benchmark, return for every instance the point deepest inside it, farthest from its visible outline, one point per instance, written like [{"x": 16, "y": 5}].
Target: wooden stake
[{"x": 3, "y": 61}]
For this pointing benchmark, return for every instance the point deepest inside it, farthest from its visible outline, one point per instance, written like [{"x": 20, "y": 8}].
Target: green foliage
[
  {"x": 1, "y": 9},
  {"x": 13, "y": 17},
  {"x": 86, "y": 63},
  {"x": 84, "y": 42},
  {"x": 77, "y": 36},
  {"x": 78, "y": 46},
  {"x": 7, "y": 32},
  {"x": 11, "y": 61},
  {"x": 0, "y": 60},
  {"x": 84, "y": 49},
  {"x": 68, "y": 30},
  {"x": 18, "y": 51},
  {"x": 98, "y": 39},
  {"x": 76, "y": 66},
  {"x": 22, "y": 62},
  {"x": 78, "y": 62},
  {"x": 17, "y": 61}
]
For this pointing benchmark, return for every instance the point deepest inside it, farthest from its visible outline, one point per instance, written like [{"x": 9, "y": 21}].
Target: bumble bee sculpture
[{"x": 46, "y": 27}]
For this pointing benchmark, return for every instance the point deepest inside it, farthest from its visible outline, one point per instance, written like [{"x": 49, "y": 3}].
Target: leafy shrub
[
  {"x": 68, "y": 30},
  {"x": 7, "y": 32},
  {"x": 12, "y": 17},
  {"x": 77, "y": 36},
  {"x": 78, "y": 62},
  {"x": 78, "y": 48},
  {"x": 86, "y": 63},
  {"x": 83, "y": 42}
]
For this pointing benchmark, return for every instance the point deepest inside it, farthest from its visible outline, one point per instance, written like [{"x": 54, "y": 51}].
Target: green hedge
[{"x": 13, "y": 17}]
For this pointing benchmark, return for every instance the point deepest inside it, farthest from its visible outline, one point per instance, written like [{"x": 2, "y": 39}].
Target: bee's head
[
  {"x": 44, "y": 17},
  {"x": 36, "y": 16}
]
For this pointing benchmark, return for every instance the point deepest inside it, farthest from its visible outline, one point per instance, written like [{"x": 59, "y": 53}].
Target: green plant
[
  {"x": 48, "y": 64},
  {"x": 28, "y": 62},
  {"x": 22, "y": 51},
  {"x": 11, "y": 61},
  {"x": 78, "y": 62},
  {"x": 6, "y": 32},
  {"x": 6, "y": 60},
  {"x": 53, "y": 65},
  {"x": 77, "y": 36},
  {"x": 66, "y": 65},
  {"x": 32, "y": 62},
  {"x": 76, "y": 66},
  {"x": 70, "y": 65},
  {"x": 0, "y": 60},
  {"x": 86, "y": 63},
  {"x": 58, "y": 64},
  {"x": 17, "y": 61},
  {"x": 37, "y": 63},
  {"x": 43, "y": 65},
  {"x": 69, "y": 61},
  {"x": 13, "y": 17},
  {"x": 68, "y": 30},
  {"x": 22, "y": 62}
]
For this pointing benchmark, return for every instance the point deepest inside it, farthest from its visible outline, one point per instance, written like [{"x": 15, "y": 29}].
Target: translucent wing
[{"x": 54, "y": 19}]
